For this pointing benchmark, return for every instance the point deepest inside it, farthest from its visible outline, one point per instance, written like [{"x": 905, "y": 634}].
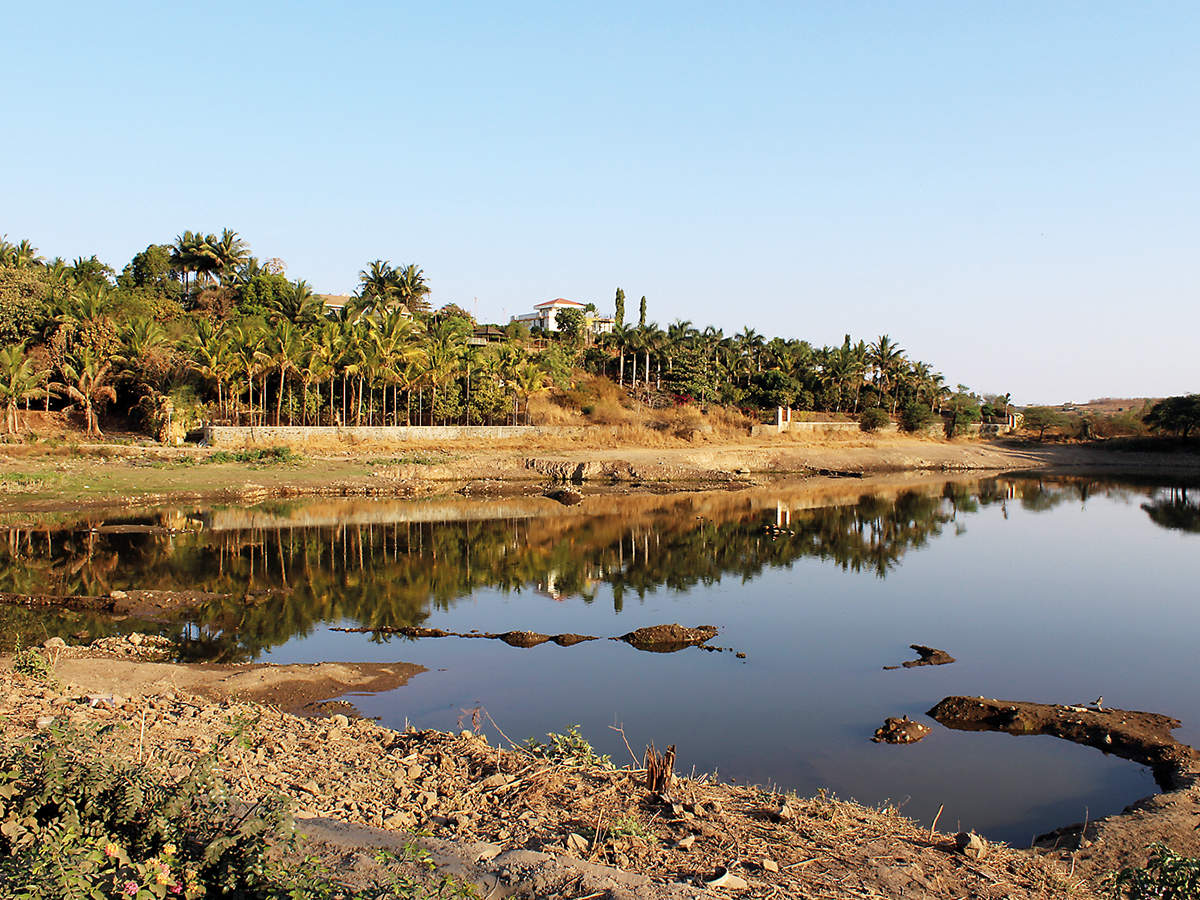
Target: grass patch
[{"x": 21, "y": 483}]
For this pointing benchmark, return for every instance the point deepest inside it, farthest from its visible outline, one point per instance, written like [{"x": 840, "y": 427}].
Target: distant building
[
  {"x": 545, "y": 316},
  {"x": 334, "y": 303}
]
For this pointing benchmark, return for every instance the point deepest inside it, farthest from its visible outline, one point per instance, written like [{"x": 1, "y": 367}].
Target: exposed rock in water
[
  {"x": 570, "y": 640},
  {"x": 668, "y": 638},
  {"x": 523, "y": 638},
  {"x": 578, "y": 472},
  {"x": 927, "y": 656},
  {"x": 900, "y": 731},
  {"x": 565, "y": 496}
]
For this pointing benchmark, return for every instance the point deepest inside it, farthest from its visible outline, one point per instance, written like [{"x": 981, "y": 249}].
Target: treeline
[{"x": 199, "y": 329}]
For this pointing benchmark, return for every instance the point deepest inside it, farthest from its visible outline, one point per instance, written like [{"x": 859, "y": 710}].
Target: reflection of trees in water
[
  {"x": 1173, "y": 508},
  {"x": 284, "y": 581}
]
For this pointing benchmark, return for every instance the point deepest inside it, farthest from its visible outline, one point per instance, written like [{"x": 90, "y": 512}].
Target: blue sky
[{"x": 1008, "y": 189}]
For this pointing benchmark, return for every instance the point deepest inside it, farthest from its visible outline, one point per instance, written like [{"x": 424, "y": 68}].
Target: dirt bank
[
  {"x": 1172, "y": 817},
  {"x": 520, "y": 823}
]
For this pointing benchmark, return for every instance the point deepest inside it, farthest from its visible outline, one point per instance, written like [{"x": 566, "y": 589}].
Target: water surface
[{"x": 1053, "y": 591}]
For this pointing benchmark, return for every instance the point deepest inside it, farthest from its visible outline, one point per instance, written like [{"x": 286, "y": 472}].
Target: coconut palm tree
[
  {"x": 530, "y": 379},
  {"x": 412, "y": 289},
  {"x": 281, "y": 349},
  {"x": 229, "y": 252},
  {"x": 885, "y": 356},
  {"x": 444, "y": 347},
  {"x": 18, "y": 381},
  {"x": 209, "y": 356},
  {"x": 86, "y": 382}
]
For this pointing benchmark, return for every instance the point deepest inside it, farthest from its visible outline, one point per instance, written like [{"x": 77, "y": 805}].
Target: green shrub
[
  {"x": 32, "y": 663},
  {"x": 570, "y": 749},
  {"x": 873, "y": 419},
  {"x": 1165, "y": 876},
  {"x": 915, "y": 416},
  {"x": 77, "y": 821},
  {"x": 267, "y": 456}
]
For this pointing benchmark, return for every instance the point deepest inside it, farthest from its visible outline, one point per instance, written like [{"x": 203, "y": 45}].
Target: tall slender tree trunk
[
  {"x": 279, "y": 401},
  {"x": 621, "y": 369}
]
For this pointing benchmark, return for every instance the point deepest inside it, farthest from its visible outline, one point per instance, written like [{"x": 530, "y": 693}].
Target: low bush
[
  {"x": 915, "y": 417},
  {"x": 873, "y": 419},
  {"x": 267, "y": 456}
]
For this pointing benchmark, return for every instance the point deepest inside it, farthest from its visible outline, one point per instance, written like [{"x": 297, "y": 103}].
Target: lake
[{"x": 1052, "y": 590}]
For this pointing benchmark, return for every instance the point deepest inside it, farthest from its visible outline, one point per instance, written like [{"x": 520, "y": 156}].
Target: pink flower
[
  {"x": 176, "y": 888},
  {"x": 130, "y": 888}
]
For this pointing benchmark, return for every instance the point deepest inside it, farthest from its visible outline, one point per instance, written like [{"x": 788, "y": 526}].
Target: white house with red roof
[{"x": 544, "y": 316}]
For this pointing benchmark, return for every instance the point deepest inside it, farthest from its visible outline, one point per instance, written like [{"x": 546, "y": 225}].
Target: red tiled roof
[{"x": 559, "y": 300}]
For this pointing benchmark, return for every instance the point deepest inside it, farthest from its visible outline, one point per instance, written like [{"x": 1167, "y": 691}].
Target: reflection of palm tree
[{"x": 1174, "y": 510}]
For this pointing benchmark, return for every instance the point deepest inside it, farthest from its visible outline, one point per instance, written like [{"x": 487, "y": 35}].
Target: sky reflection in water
[{"x": 1048, "y": 591}]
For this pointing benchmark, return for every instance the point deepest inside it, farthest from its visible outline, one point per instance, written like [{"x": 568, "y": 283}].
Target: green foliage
[
  {"x": 77, "y": 821},
  {"x": 262, "y": 294},
  {"x": 570, "y": 749},
  {"x": 267, "y": 456},
  {"x": 1166, "y": 876},
  {"x": 1041, "y": 418},
  {"x": 1178, "y": 415},
  {"x": 960, "y": 410},
  {"x": 873, "y": 419},
  {"x": 23, "y": 306},
  {"x": 630, "y": 826},
  {"x": 33, "y": 663},
  {"x": 571, "y": 324},
  {"x": 915, "y": 416},
  {"x": 619, "y": 307}
]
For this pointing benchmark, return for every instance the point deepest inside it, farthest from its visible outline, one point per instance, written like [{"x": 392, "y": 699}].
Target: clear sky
[{"x": 1010, "y": 189}]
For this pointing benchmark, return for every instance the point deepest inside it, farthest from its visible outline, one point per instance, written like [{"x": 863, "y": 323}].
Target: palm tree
[
  {"x": 885, "y": 356},
  {"x": 530, "y": 379},
  {"x": 229, "y": 252},
  {"x": 18, "y": 381},
  {"x": 412, "y": 289},
  {"x": 282, "y": 348},
  {"x": 209, "y": 356},
  {"x": 443, "y": 353},
  {"x": 86, "y": 376},
  {"x": 378, "y": 285}
]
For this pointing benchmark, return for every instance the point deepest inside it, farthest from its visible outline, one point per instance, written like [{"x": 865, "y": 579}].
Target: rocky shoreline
[{"x": 548, "y": 822}]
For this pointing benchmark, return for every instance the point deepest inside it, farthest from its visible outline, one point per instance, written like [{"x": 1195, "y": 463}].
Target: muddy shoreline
[{"x": 49, "y": 480}]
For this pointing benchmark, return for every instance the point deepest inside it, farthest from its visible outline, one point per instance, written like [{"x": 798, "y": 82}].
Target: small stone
[
  {"x": 117, "y": 595},
  {"x": 54, "y": 643},
  {"x": 415, "y": 772},
  {"x": 310, "y": 787},
  {"x": 970, "y": 844},
  {"x": 487, "y": 852},
  {"x": 576, "y": 843},
  {"x": 43, "y": 722},
  {"x": 136, "y": 639},
  {"x": 339, "y": 720},
  {"x": 494, "y": 781},
  {"x": 769, "y": 865},
  {"x": 686, "y": 843}
]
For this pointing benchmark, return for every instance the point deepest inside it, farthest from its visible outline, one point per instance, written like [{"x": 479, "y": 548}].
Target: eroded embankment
[{"x": 1172, "y": 817}]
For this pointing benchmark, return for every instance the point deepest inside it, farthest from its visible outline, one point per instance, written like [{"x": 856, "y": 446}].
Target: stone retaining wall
[{"x": 238, "y": 436}]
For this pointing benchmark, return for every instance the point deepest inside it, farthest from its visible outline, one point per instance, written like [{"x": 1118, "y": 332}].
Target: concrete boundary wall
[{"x": 235, "y": 436}]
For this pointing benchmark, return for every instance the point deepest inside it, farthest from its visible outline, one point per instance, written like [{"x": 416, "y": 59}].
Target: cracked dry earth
[{"x": 461, "y": 789}]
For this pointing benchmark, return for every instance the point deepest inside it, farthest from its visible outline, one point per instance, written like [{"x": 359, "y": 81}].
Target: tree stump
[{"x": 660, "y": 769}]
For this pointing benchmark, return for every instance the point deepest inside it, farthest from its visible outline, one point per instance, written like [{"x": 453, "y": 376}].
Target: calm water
[{"x": 1053, "y": 591}]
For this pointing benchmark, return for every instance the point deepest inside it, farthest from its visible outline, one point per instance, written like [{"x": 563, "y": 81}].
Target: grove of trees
[{"x": 199, "y": 329}]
